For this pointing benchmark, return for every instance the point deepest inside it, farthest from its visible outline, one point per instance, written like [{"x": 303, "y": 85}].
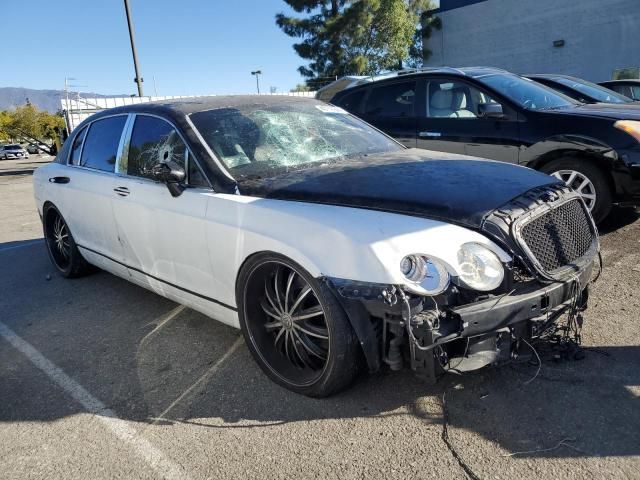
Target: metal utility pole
[
  {"x": 257, "y": 73},
  {"x": 138, "y": 78}
]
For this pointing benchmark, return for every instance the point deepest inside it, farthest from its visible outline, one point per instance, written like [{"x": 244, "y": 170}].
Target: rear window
[
  {"x": 101, "y": 145},
  {"x": 395, "y": 100},
  {"x": 352, "y": 102}
]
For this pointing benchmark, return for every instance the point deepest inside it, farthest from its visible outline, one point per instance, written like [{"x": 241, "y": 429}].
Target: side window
[
  {"x": 395, "y": 100},
  {"x": 153, "y": 141},
  {"x": 622, "y": 89},
  {"x": 453, "y": 99},
  {"x": 101, "y": 145},
  {"x": 353, "y": 101},
  {"x": 194, "y": 175},
  {"x": 74, "y": 157},
  {"x": 635, "y": 92}
]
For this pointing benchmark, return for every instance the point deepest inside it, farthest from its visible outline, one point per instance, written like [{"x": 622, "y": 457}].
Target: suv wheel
[{"x": 587, "y": 180}]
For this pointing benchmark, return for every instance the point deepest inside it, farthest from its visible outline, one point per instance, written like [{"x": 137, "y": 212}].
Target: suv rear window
[
  {"x": 101, "y": 145},
  {"x": 395, "y": 100},
  {"x": 352, "y": 102}
]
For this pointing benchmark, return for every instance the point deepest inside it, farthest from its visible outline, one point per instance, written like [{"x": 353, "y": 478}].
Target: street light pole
[
  {"x": 138, "y": 78},
  {"x": 257, "y": 73}
]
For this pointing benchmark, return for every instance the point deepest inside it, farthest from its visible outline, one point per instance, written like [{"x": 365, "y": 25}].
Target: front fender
[
  {"x": 536, "y": 155},
  {"x": 328, "y": 241}
]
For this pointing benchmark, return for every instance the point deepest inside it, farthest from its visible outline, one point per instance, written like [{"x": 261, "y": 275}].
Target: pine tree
[{"x": 352, "y": 37}]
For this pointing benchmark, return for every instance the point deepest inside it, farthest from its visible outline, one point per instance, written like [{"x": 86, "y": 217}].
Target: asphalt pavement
[{"x": 102, "y": 379}]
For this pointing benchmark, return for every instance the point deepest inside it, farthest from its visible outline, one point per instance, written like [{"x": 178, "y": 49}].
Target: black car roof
[
  {"x": 463, "y": 72},
  {"x": 184, "y": 106},
  {"x": 552, "y": 76},
  {"x": 633, "y": 81}
]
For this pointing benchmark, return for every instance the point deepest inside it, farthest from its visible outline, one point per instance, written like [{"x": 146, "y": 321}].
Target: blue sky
[{"x": 190, "y": 46}]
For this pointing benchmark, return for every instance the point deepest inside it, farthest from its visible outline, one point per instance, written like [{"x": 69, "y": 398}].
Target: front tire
[
  {"x": 61, "y": 246},
  {"x": 295, "y": 328},
  {"x": 587, "y": 180}
]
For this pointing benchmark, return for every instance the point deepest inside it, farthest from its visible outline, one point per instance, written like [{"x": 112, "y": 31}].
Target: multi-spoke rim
[
  {"x": 580, "y": 183},
  {"x": 288, "y": 324},
  {"x": 59, "y": 241}
]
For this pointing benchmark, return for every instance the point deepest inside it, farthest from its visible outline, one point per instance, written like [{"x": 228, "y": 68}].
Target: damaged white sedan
[{"x": 330, "y": 245}]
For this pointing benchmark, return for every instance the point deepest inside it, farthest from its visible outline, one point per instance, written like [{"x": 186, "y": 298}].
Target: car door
[
  {"x": 84, "y": 191},
  {"x": 460, "y": 118},
  {"x": 391, "y": 108},
  {"x": 163, "y": 237}
]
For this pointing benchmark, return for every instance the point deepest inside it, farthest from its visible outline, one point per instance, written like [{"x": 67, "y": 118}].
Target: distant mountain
[{"x": 11, "y": 97}]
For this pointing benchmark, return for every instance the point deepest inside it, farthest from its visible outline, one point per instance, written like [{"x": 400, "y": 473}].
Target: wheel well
[
  {"x": 47, "y": 208},
  {"x": 356, "y": 314},
  {"x": 599, "y": 161}
]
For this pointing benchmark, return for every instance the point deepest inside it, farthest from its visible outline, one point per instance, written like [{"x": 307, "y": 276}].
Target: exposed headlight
[
  {"x": 479, "y": 268},
  {"x": 632, "y": 127},
  {"x": 425, "y": 275}
]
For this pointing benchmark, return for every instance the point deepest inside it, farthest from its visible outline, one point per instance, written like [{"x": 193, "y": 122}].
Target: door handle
[
  {"x": 429, "y": 134},
  {"x": 59, "y": 180},
  {"x": 122, "y": 191}
]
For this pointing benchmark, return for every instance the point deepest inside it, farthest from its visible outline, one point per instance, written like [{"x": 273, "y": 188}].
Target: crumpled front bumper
[
  {"x": 526, "y": 303},
  {"x": 372, "y": 312}
]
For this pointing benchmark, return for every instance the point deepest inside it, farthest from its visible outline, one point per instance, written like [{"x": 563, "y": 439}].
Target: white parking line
[
  {"x": 163, "y": 321},
  {"x": 22, "y": 245},
  {"x": 208, "y": 374},
  {"x": 120, "y": 428}
]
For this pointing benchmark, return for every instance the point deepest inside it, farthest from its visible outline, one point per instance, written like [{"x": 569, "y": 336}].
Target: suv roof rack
[{"x": 327, "y": 92}]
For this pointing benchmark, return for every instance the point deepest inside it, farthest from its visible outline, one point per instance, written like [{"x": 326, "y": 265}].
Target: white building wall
[{"x": 518, "y": 35}]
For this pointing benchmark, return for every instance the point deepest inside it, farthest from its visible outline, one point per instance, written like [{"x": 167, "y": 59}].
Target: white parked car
[
  {"x": 13, "y": 151},
  {"x": 328, "y": 243}
]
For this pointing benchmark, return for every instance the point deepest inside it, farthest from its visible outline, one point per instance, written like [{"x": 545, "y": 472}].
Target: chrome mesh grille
[{"x": 560, "y": 236}]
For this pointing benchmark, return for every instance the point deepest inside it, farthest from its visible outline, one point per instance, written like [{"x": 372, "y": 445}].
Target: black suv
[{"x": 491, "y": 113}]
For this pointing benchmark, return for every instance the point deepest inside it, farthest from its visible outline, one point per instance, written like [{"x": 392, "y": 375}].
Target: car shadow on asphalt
[
  {"x": 619, "y": 218},
  {"x": 154, "y": 362}
]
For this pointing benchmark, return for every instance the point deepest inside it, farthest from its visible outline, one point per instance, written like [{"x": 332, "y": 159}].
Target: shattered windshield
[{"x": 267, "y": 139}]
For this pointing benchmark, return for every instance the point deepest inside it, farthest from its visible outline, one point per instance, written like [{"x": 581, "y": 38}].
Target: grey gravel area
[{"x": 180, "y": 391}]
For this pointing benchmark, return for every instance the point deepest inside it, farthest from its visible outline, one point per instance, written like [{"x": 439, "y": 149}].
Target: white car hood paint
[{"x": 343, "y": 242}]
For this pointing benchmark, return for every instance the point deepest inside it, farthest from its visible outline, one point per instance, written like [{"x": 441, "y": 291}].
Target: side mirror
[
  {"x": 172, "y": 174},
  {"x": 490, "y": 110}
]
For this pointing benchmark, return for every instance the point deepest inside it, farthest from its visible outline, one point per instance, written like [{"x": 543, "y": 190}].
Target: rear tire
[
  {"x": 61, "y": 246},
  {"x": 595, "y": 190},
  {"x": 295, "y": 328}
]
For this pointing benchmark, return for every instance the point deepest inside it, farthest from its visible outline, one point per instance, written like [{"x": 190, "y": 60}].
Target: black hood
[{"x": 440, "y": 186}]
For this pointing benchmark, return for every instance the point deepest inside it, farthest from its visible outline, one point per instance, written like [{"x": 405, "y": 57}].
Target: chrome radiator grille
[{"x": 559, "y": 236}]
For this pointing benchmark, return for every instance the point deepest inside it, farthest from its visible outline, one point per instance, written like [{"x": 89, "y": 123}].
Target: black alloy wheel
[
  {"x": 62, "y": 248},
  {"x": 295, "y": 328}
]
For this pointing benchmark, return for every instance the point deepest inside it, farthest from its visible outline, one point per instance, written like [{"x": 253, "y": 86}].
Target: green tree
[
  {"x": 419, "y": 51},
  {"x": 29, "y": 124},
  {"x": 352, "y": 37},
  {"x": 51, "y": 125},
  {"x": 26, "y": 121},
  {"x": 301, "y": 87},
  {"x": 5, "y": 126}
]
